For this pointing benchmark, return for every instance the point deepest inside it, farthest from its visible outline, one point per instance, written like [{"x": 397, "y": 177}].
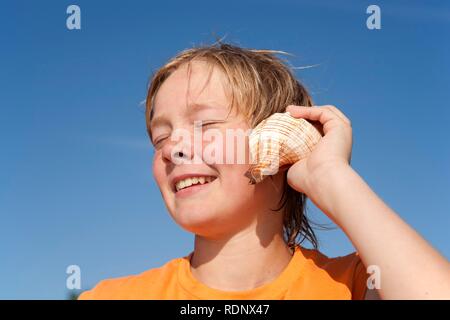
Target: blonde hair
[{"x": 261, "y": 84}]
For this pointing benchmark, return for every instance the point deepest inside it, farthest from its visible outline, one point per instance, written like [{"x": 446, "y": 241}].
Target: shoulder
[
  {"x": 347, "y": 270},
  {"x": 138, "y": 286},
  {"x": 340, "y": 264}
]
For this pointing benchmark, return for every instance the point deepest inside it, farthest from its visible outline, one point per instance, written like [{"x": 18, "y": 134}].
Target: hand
[{"x": 333, "y": 152}]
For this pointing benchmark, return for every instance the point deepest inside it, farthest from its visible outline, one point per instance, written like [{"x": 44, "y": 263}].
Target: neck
[{"x": 250, "y": 259}]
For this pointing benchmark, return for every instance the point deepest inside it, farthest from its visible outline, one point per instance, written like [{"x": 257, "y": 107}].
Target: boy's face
[{"x": 227, "y": 203}]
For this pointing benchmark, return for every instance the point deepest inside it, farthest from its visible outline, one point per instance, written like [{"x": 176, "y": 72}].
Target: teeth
[{"x": 191, "y": 181}]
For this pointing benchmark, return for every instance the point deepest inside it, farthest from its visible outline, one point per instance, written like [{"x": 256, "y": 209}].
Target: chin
[
  {"x": 193, "y": 219},
  {"x": 202, "y": 222}
]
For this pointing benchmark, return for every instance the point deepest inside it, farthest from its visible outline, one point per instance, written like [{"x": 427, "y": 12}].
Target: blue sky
[{"x": 75, "y": 163}]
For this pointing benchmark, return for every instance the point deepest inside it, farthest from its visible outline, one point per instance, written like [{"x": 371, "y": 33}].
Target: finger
[
  {"x": 323, "y": 115},
  {"x": 331, "y": 108},
  {"x": 338, "y": 113}
]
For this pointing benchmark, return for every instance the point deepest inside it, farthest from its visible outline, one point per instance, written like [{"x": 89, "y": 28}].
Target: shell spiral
[{"x": 278, "y": 141}]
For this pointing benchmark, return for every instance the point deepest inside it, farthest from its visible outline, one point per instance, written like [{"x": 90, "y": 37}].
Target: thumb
[{"x": 296, "y": 176}]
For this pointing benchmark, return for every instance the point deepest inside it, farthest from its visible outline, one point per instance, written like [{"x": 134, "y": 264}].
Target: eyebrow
[{"x": 158, "y": 121}]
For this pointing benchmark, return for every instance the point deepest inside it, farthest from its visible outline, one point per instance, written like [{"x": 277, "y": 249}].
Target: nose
[{"x": 178, "y": 152}]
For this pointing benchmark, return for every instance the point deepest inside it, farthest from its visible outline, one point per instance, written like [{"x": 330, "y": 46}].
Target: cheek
[
  {"x": 234, "y": 186},
  {"x": 158, "y": 168}
]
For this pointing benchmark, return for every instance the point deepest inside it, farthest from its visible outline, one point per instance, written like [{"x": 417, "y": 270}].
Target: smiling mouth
[{"x": 193, "y": 182}]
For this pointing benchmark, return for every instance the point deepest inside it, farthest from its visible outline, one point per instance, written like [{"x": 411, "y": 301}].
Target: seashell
[{"x": 279, "y": 141}]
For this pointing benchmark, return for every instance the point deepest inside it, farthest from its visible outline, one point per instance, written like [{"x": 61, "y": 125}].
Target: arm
[{"x": 410, "y": 267}]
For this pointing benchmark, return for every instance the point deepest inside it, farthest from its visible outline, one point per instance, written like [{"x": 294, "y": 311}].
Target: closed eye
[
  {"x": 208, "y": 123},
  {"x": 157, "y": 142},
  {"x": 203, "y": 124}
]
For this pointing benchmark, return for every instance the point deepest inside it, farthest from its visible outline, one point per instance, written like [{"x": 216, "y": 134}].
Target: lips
[
  {"x": 193, "y": 189},
  {"x": 187, "y": 183},
  {"x": 190, "y": 180}
]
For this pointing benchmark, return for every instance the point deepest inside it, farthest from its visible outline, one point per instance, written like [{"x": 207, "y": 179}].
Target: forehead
[{"x": 199, "y": 83}]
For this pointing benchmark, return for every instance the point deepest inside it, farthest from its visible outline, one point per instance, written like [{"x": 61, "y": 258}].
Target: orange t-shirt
[{"x": 309, "y": 275}]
